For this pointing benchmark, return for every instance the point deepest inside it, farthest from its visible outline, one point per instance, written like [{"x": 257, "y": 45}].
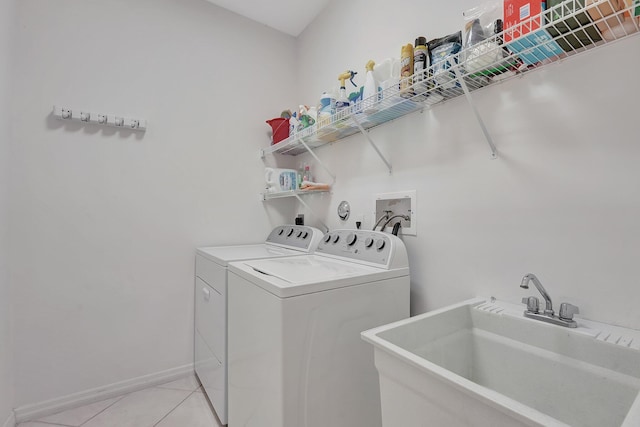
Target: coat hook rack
[{"x": 102, "y": 119}]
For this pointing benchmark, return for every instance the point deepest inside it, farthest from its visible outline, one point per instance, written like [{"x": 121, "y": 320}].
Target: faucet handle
[
  {"x": 567, "y": 311},
  {"x": 532, "y": 304}
]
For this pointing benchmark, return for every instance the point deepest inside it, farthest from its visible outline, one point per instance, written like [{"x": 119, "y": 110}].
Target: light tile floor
[{"x": 180, "y": 403}]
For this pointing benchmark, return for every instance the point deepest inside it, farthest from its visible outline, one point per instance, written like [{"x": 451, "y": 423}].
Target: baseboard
[
  {"x": 11, "y": 421},
  {"x": 42, "y": 409}
]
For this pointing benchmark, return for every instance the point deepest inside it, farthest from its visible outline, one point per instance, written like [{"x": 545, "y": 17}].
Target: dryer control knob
[
  {"x": 335, "y": 239},
  {"x": 305, "y": 234},
  {"x": 352, "y": 239},
  {"x": 281, "y": 232},
  {"x": 290, "y": 232},
  {"x": 299, "y": 234},
  {"x": 327, "y": 238},
  {"x": 368, "y": 242},
  {"x": 380, "y": 244}
]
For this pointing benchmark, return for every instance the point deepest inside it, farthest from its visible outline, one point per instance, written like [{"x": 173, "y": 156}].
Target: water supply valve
[
  {"x": 567, "y": 311},
  {"x": 533, "y": 304}
]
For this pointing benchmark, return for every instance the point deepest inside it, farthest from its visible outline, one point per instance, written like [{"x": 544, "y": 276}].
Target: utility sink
[{"x": 482, "y": 363}]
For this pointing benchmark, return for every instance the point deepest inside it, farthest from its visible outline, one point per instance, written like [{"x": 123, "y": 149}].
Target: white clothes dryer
[
  {"x": 211, "y": 289},
  {"x": 295, "y": 354}
]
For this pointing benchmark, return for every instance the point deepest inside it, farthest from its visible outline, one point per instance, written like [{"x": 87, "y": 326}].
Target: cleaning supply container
[{"x": 280, "y": 129}]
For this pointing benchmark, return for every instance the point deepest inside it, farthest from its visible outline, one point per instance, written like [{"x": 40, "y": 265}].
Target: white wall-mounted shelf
[
  {"x": 284, "y": 194},
  {"x": 567, "y": 29},
  {"x": 297, "y": 194},
  {"x": 574, "y": 27}
]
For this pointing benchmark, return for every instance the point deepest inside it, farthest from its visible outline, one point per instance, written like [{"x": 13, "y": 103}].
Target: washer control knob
[
  {"x": 290, "y": 232},
  {"x": 368, "y": 242},
  {"x": 335, "y": 239},
  {"x": 305, "y": 234},
  {"x": 380, "y": 244},
  {"x": 299, "y": 234},
  {"x": 327, "y": 238},
  {"x": 352, "y": 239},
  {"x": 281, "y": 232}
]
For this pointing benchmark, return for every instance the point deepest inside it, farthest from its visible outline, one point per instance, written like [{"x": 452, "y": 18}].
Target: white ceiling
[{"x": 289, "y": 16}]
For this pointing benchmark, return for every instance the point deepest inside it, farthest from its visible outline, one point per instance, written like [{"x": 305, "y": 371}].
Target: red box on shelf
[
  {"x": 517, "y": 12},
  {"x": 523, "y": 34}
]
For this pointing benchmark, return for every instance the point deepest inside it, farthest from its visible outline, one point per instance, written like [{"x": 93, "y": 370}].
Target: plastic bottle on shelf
[
  {"x": 406, "y": 70},
  {"x": 326, "y": 109},
  {"x": 306, "y": 176},
  {"x": 300, "y": 176},
  {"x": 293, "y": 124},
  {"x": 370, "y": 91}
]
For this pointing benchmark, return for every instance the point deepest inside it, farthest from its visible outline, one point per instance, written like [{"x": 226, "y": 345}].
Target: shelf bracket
[
  {"x": 375, "y": 147},
  {"x": 311, "y": 210},
  {"x": 467, "y": 94},
  {"x": 304, "y": 144}
]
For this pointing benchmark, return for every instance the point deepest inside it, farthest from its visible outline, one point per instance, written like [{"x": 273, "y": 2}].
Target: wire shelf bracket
[
  {"x": 485, "y": 132},
  {"x": 373, "y": 144},
  {"x": 317, "y": 159}
]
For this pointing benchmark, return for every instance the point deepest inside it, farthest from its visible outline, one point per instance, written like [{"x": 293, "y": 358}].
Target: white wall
[
  {"x": 7, "y": 29},
  {"x": 106, "y": 222},
  {"x": 562, "y": 200}
]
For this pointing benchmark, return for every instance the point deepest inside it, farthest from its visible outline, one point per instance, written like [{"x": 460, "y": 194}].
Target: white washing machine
[
  {"x": 211, "y": 291},
  {"x": 295, "y": 354}
]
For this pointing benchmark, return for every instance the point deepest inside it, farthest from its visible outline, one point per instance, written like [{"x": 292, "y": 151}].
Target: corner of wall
[
  {"x": 8, "y": 26},
  {"x": 11, "y": 421}
]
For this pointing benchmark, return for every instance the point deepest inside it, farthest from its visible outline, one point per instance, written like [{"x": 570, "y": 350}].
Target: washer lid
[
  {"x": 225, "y": 254},
  {"x": 291, "y": 276}
]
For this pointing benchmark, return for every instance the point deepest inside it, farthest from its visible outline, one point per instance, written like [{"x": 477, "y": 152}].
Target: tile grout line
[
  {"x": 116, "y": 401},
  {"x": 174, "y": 408},
  {"x": 48, "y": 423}
]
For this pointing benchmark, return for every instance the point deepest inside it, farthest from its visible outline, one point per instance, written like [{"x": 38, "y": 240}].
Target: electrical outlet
[{"x": 392, "y": 204}]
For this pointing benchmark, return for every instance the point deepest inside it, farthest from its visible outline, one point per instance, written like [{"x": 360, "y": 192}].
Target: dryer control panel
[
  {"x": 367, "y": 247},
  {"x": 299, "y": 237}
]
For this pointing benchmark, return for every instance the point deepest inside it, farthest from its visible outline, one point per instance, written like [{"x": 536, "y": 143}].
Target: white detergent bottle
[{"x": 370, "y": 91}]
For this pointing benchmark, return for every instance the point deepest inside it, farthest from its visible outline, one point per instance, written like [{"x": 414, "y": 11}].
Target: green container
[{"x": 587, "y": 32}]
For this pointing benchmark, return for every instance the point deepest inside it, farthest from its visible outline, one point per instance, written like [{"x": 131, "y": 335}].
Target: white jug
[{"x": 280, "y": 179}]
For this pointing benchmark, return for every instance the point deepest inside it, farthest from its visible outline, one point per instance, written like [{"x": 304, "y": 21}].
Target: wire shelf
[
  {"x": 292, "y": 193},
  {"x": 565, "y": 30}
]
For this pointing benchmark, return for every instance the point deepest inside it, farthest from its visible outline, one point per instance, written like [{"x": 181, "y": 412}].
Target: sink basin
[{"x": 482, "y": 363}]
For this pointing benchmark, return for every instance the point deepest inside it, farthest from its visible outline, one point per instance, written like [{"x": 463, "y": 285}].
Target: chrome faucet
[
  {"x": 564, "y": 317},
  {"x": 548, "y": 309}
]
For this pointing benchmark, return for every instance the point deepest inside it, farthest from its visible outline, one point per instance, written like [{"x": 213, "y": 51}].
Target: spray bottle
[
  {"x": 370, "y": 92},
  {"x": 342, "y": 101}
]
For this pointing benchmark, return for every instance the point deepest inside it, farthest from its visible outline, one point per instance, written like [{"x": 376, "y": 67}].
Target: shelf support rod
[
  {"x": 311, "y": 210},
  {"x": 304, "y": 144},
  {"x": 375, "y": 147},
  {"x": 494, "y": 153}
]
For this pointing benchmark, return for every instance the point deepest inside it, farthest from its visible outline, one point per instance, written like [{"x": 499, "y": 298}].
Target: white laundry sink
[{"x": 482, "y": 363}]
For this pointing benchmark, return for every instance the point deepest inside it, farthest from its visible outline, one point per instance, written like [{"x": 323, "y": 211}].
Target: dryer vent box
[{"x": 398, "y": 203}]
